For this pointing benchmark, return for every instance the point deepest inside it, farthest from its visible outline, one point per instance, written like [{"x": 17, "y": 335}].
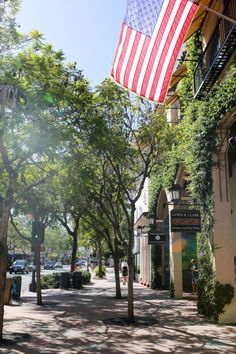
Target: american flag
[{"x": 151, "y": 37}]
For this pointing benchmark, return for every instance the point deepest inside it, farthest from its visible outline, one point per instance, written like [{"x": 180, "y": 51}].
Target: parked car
[
  {"x": 81, "y": 263},
  {"x": 57, "y": 265},
  {"x": 93, "y": 262},
  {"x": 19, "y": 266},
  {"x": 49, "y": 265},
  {"x": 31, "y": 266}
]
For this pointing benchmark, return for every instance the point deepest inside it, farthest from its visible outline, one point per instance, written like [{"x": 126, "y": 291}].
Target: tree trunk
[
  {"x": 74, "y": 252},
  {"x": 131, "y": 268},
  {"x": 99, "y": 243},
  {"x": 117, "y": 276},
  {"x": 38, "y": 283},
  {"x": 3, "y": 257},
  {"x": 74, "y": 234},
  {"x": 130, "y": 287},
  {"x": 113, "y": 245}
]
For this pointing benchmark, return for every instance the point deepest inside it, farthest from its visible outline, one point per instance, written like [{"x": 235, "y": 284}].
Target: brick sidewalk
[{"x": 91, "y": 320}]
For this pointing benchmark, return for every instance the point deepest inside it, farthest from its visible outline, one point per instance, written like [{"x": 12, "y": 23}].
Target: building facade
[{"x": 217, "y": 32}]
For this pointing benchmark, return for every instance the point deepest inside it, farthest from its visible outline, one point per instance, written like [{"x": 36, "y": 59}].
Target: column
[
  {"x": 176, "y": 264},
  {"x": 222, "y": 240}
]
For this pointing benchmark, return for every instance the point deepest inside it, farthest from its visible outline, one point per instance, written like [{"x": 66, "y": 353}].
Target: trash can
[
  {"x": 65, "y": 280},
  {"x": 77, "y": 280},
  {"x": 7, "y": 292}
]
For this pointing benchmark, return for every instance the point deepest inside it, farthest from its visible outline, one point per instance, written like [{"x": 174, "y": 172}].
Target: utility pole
[{"x": 37, "y": 239}]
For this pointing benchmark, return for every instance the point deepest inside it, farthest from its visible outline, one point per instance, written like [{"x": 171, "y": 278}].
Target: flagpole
[{"x": 217, "y": 13}]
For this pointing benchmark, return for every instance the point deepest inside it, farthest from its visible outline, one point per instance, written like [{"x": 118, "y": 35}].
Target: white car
[{"x": 57, "y": 265}]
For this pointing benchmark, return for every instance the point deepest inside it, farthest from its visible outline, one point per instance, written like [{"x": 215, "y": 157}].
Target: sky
[{"x": 87, "y": 31}]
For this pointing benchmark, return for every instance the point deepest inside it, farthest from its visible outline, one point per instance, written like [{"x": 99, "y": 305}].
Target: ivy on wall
[
  {"x": 208, "y": 115},
  {"x": 193, "y": 142},
  {"x": 156, "y": 278}
]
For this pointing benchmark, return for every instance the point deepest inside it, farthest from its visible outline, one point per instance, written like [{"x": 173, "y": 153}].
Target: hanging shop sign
[
  {"x": 155, "y": 238},
  {"x": 185, "y": 220}
]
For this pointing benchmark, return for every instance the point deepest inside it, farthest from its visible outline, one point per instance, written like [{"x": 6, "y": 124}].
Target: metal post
[{"x": 32, "y": 285}]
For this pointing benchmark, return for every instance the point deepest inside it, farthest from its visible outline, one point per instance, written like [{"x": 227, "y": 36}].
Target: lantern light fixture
[
  {"x": 139, "y": 230},
  {"x": 175, "y": 193},
  {"x": 151, "y": 219}
]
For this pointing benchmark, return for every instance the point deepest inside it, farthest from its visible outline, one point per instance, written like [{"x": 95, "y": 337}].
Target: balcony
[{"x": 217, "y": 53}]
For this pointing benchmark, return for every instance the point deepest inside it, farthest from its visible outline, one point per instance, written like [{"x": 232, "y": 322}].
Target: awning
[
  {"x": 175, "y": 78},
  {"x": 142, "y": 220},
  {"x": 177, "y": 75},
  {"x": 181, "y": 71},
  {"x": 198, "y": 18},
  {"x": 171, "y": 98}
]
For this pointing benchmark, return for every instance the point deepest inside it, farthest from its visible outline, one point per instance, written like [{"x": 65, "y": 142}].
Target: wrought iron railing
[{"x": 217, "y": 52}]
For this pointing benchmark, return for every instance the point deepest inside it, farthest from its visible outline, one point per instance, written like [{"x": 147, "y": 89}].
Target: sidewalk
[{"x": 91, "y": 320}]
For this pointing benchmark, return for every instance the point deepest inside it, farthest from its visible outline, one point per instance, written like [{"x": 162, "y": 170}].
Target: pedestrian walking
[
  {"x": 124, "y": 270},
  {"x": 15, "y": 290},
  {"x": 194, "y": 270}
]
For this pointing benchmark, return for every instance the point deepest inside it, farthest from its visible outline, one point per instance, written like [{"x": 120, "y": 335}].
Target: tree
[
  {"x": 32, "y": 132},
  {"x": 102, "y": 210},
  {"x": 10, "y": 38},
  {"x": 104, "y": 231},
  {"x": 125, "y": 137},
  {"x": 57, "y": 243}
]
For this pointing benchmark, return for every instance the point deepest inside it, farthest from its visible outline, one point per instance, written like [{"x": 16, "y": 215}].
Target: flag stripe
[
  {"x": 119, "y": 49},
  {"x": 144, "y": 64},
  {"x": 133, "y": 54},
  {"x": 127, "y": 57},
  {"x": 125, "y": 45},
  {"x": 158, "y": 52},
  {"x": 170, "y": 51},
  {"x": 162, "y": 93},
  {"x": 137, "y": 69},
  {"x": 153, "y": 42},
  {"x": 139, "y": 45}
]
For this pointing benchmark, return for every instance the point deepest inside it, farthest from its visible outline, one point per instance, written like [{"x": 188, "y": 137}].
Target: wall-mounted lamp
[
  {"x": 151, "y": 219},
  {"x": 232, "y": 142},
  {"x": 139, "y": 230},
  {"x": 175, "y": 193}
]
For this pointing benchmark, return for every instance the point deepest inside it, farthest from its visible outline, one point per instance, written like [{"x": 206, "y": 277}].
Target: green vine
[
  {"x": 208, "y": 115},
  {"x": 156, "y": 277},
  {"x": 194, "y": 140}
]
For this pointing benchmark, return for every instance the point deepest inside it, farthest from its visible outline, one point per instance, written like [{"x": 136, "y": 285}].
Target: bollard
[{"x": 32, "y": 285}]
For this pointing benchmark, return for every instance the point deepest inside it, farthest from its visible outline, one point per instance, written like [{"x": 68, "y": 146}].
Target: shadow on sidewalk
[{"x": 87, "y": 321}]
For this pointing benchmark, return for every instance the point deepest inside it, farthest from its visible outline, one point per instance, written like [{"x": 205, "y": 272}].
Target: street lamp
[
  {"x": 232, "y": 142},
  {"x": 139, "y": 231},
  {"x": 151, "y": 219},
  {"x": 175, "y": 193}
]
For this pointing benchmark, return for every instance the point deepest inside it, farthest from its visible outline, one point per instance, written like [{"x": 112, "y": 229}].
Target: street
[{"x": 26, "y": 278}]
